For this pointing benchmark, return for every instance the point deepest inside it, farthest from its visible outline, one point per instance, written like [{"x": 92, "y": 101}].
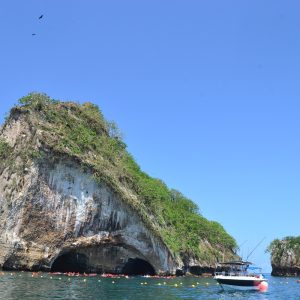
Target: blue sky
[{"x": 205, "y": 92}]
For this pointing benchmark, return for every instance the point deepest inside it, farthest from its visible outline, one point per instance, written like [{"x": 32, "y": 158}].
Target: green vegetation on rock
[
  {"x": 5, "y": 149},
  {"x": 81, "y": 132}
]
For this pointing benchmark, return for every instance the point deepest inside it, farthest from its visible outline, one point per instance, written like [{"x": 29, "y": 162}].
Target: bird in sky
[{"x": 40, "y": 17}]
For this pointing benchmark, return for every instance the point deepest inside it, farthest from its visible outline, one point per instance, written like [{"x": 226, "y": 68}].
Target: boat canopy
[
  {"x": 254, "y": 268},
  {"x": 237, "y": 263}
]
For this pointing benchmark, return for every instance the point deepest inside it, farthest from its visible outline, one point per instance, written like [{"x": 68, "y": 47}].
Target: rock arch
[{"x": 108, "y": 258}]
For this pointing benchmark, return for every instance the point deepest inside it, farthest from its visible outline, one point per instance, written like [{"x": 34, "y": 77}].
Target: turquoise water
[{"x": 21, "y": 285}]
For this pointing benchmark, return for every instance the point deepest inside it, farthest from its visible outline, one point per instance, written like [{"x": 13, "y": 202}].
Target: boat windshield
[{"x": 238, "y": 268}]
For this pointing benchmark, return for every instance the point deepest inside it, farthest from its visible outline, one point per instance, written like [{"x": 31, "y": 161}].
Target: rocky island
[
  {"x": 73, "y": 199},
  {"x": 285, "y": 256}
]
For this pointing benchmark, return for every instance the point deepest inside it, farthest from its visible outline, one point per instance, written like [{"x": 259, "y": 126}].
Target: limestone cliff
[
  {"x": 285, "y": 256},
  {"x": 72, "y": 198}
]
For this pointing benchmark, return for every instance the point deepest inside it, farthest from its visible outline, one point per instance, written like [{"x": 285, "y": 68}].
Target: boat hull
[
  {"x": 229, "y": 287},
  {"x": 239, "y": 282}
]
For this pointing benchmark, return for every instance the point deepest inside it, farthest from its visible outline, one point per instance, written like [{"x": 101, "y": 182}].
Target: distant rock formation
[
  {"x": 66, "y": 207},
  {"x": 285, "y": 256}
]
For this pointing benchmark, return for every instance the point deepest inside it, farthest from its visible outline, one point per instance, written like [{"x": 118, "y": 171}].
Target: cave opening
[
  {"x": 137, "y": 266},
  {"x": 70, "y": 262}
]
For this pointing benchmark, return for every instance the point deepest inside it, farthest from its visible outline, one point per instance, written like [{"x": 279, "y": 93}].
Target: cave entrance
[
  {"x": 137, "y": 266},
  {"x": 70, "y": 262}
]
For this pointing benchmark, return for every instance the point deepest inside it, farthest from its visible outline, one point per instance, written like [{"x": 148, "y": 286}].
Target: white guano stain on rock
[{"x": 71, "y": 204}]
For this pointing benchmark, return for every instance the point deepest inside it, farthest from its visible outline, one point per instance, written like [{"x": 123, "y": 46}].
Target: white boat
[{"x": 239, "y": 275}]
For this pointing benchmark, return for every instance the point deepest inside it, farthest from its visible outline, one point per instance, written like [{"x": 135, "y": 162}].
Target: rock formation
[
  {"x": 64, "y": 208},
  {"x": 285, "y": 256}
]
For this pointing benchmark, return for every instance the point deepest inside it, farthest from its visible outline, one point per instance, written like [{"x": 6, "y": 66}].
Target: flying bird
[
  {"x": 41, "y": 16},
  {"x": 33, "y": 34}
]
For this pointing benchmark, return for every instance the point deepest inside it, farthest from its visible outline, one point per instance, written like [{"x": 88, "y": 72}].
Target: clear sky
[{"x": 205, "y": 92}]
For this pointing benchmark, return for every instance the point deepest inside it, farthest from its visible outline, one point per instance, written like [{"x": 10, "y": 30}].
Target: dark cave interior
[
  {"x": 70, "y": 262},
  {"x": 137, "y": 266},
  {"x": 77, "y": 262}
]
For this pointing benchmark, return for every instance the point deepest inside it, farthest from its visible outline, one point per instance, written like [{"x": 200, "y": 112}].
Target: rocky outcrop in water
[
  {"x": 66, "y": 206},
  {"x": 55, "y": 208},
  {"x": 285, "y": 256}
]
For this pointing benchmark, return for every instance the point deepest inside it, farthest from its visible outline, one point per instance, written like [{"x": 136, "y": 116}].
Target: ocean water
[{"x": 22, "y": 285}]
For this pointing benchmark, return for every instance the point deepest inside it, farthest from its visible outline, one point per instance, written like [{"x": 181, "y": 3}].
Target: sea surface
[{"x": 24, "y": 285}]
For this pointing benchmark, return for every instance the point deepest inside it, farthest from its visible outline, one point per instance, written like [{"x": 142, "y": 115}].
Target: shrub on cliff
[
  {"x": 5, "y": 149},
  {"x": 36, "y": 100}
]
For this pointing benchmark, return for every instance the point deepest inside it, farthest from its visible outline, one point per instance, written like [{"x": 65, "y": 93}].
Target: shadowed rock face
[
  {"x": 285, "y": 271},
  {"x": 56, "y": 217}
]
